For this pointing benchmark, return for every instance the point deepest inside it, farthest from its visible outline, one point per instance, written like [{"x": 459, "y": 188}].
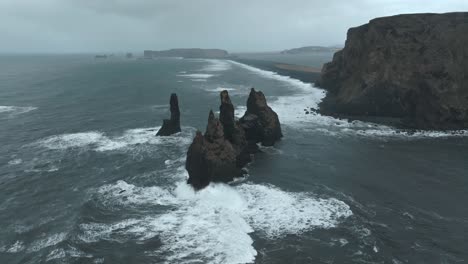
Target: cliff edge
[{"x": 412, "y": 67}]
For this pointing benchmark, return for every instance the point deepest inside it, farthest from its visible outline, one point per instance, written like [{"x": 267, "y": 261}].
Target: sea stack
[
  {"x": 410, "y": 67},
  {"x": 226, "y": 148},
  {"x": 210, "y": 157},
  {"x": 260, "y": 122},
  {"x": 171, "y": 126}
]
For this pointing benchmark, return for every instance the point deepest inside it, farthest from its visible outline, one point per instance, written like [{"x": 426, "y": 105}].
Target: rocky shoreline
[
  {"x": 302, "y": 73},
  {"x": 408, "y": 67}
]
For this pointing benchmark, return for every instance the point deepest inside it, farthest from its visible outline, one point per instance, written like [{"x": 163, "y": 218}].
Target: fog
[{"x": 75, "y": 26}]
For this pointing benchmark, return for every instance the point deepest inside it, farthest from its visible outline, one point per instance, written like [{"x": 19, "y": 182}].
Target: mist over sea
[{"x": 84, "y": 179}]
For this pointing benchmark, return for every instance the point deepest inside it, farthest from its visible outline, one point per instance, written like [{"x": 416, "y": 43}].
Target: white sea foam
[
  {"x": 213, "y": 225},
  {"x": 216, "y": 65},
  {"x": 197, "y": 76},
  {"x": 98, "y": 141},
  {"x": 49, "y": 241},
  {"x": 220, "y": 89},
  {"x": 125, "y": 193},
  {"x": 15, "y": 162},
  {"x": 291, "y": 112},
  {"x": 56, "y": 254},
  {"x": 16, "y": 110},
  {"x": 18, "y": 246}
]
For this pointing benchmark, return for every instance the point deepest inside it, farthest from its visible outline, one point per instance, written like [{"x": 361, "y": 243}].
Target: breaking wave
[
  {"x": 292, "y": 112},
  {"x": 16, "y": 110},
  {"x": 212, "y": 225},
  {"x": 99, "y": 141}
]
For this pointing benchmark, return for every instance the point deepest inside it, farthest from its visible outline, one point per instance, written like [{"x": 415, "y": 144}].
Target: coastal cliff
[{"x": 411, "y": 67}]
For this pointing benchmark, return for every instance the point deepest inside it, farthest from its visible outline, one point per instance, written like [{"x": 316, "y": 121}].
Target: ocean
[{"x": 84, "y": 179}]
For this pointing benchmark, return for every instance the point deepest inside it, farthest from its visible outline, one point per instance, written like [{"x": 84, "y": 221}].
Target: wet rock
[
  {"x": 260, "y": 122},
  {"x": 171, "y": 126},
  {"x": 211, "y": 157},
  {"x": 412, "y": 67},
  {"x": 233, "y": 131}
]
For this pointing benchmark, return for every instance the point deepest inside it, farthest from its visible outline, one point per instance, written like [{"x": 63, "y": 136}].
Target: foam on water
[
  {"x": 291, "y": 112},
  {"x": 213, "y": 225},
  {"x": 98, "y": 141},
  {"x": 220, "y": 89},
  {"x": 197, "y": 76},
  {"x": 16, "y": 110},
  {"x": 15, "y": 162},
  {"x": 216, "y": 65},
  {"x": 49, "y": 241},
  {"x": 18, "y": 246}
]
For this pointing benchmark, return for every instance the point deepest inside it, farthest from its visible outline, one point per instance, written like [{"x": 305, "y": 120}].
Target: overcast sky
[{"x": 59, "y": 26}]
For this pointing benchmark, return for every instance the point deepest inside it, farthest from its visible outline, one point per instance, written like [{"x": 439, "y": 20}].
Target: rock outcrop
[
  {"x": 226, "y": 147},
  {"x": 412, "y": 67},
  {"x": 260, "y": 122},
  {"x": 211, "y": 157},
  {"x": 171, "y": 126},
  {"x": 233, "y": 131}
]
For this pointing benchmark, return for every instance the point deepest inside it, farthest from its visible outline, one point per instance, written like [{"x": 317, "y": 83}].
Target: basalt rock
[
  {"x": 233, "y": 131},
  {"x": 260, "y": 122},
  {"x": 211, "y": 157},
  {"x": 411, "y": 67},
  {"x": 171, "y": 126}
]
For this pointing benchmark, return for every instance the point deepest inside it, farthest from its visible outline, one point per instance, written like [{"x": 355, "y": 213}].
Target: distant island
[
  {"x": 311, "y": 49},
  {"x": 188, "y": 53}
]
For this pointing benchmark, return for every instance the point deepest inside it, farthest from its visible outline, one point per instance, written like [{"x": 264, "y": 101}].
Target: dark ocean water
[{"x": 84, "y": 179}]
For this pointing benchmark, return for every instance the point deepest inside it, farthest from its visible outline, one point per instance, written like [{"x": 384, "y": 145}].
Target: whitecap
[
  {"x": 216, "y": 65},
  {"x": 15, "y": 162},
  {"x": 213, "y": 225},
  {"x": 220, "y": 89},
  {"x": 197, "y": 76},
  {"x": 16, "y": 110},
  {"x": 98, "y": 141},
  {"x": 18, "y": 246},
  {"x": 66, "y": 141},
  {"x": 291, "y": 112},
  {"x": 49, "y": 241},
  {"x": 56, "y": 254}
]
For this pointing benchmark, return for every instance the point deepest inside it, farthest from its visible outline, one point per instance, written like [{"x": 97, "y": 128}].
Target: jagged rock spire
[{"x": 171, "y": 126}]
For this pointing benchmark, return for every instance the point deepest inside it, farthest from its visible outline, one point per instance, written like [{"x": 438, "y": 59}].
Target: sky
[{"x": 82, "y": 26}]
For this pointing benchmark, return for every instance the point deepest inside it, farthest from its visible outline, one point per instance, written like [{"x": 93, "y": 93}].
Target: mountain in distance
[
  {"x": 188, "y": 53},
  {"x": 312, "y": 49}
]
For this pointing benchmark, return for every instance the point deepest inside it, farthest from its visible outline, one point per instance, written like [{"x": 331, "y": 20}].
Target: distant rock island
[
  {"x": 310, "y": 49},
  {"x": 411, "y": 67},
  {"x": 188, "y": 53}
]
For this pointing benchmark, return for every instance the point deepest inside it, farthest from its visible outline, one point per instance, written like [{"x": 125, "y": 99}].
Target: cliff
[
  {"x": 413, "y": 67},
  {"x": 188, "y": 53}
]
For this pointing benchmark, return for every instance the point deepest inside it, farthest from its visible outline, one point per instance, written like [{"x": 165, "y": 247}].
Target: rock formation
[
  {"x": 171, "y": 126},
  {"x": 260, "y": 122},
  {"x": 413, "y": 67},
  {"x": 211, "y": 158},
  {"x": 223, "y": 151},
  {"x": 233, "y": 131}
]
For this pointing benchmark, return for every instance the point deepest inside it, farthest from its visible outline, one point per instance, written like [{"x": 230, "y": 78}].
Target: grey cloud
[{"x": 242, "y": 25}]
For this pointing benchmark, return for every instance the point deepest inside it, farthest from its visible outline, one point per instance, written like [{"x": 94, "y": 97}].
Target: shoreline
[{"x": 303, "y": 73}]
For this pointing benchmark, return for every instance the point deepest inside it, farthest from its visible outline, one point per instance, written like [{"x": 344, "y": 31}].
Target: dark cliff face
[
  {"x": 413, "y": 67},
  {"x": 260, "y": 122},
  {"x": 171, "y": 126}
]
